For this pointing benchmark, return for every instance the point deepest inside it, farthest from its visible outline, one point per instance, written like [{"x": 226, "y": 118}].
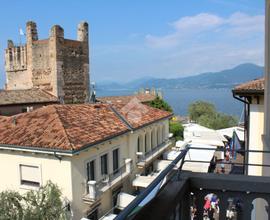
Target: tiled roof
[
  {"x": 71, "y": 127},
  {"x": 138, "y": 115},
  {"x": 124, "y": 99},
  {"x": 254, "y": 86},
  {"x": 65, "y": 127},
  {"x": 10, "y": 97}
]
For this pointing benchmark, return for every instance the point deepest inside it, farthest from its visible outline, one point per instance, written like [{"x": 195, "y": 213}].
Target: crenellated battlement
[
  {"x": 55, "y": 64},
  {"x": 15, "y": 58}
]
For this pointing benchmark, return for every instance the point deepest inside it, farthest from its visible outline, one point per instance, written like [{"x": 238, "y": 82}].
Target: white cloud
[
  {"x": 198, "y": 22},
  {"x": 193, "y": 27}
]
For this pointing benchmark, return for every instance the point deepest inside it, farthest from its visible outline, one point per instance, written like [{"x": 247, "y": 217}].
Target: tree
[
  {"x": 45, "y": 203},
  {"x": 206, "y": 115},
  {"x": 199, "y": 108},
  {"x": 10, "y": 205},
  {"x": 42, "y": 204},
  {"x": 177, "y": 129},
  {"x": 160, "y": 104}
]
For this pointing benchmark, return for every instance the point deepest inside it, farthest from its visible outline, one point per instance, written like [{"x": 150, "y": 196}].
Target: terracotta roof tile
[
  {"x": 70, "y": 127},
  {"x": 254, "y": 86},
  {"x": 10, "y": 97},
  {"x": 64, "y": 127},
  {"x": 138, "y": 114},
  {"x": 124, "y": 99}
]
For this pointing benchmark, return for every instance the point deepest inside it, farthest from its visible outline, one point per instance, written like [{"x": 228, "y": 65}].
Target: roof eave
[{"x": 247, "y": 92}]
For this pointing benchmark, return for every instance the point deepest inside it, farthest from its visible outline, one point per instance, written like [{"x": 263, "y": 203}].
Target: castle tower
[{"x": 58, "y": 65}]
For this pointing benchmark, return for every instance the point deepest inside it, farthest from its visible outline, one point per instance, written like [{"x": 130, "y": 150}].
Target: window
[
  {"x": 30, "y": 175},
  {"x": 146, "y": 143},
  {"x": 115, "y": 161},
  {"x": 104, "y": 164},
  {"x": 90, "y": 169},
  {"x": 138, "y": 145},
  {"x": 152, "y": 139}
]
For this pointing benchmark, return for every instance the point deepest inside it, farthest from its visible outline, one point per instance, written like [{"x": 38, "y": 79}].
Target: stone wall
[{"x": 57, "y": 65}]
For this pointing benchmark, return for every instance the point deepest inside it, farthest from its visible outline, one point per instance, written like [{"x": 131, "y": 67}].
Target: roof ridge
[
  {"x": 121, "y": 117},
  {"x": 57, "y": 113}
]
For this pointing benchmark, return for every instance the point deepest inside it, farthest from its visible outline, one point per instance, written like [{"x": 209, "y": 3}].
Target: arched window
[
  {"x": 163, "y": 133},
  {"x": 157, "y": 136},
  {"x": 145, "y": 142},
  {"x": 138, "y": 145},
  {"x": 152, "y": 139}
]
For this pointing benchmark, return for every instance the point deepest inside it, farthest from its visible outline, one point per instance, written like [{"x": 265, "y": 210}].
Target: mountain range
[{"x": 222, "y": 79}]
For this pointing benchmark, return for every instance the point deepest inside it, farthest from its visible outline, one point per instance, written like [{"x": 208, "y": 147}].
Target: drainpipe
[{"x": 246, "y": 130}]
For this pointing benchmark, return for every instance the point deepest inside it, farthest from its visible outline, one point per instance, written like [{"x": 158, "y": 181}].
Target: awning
[
  {"x": 160, "y": 165},
  {"x": 198, "y": 134},
  {"x": 143, "y": 181},
  {"x": 171, "y": 155},
  {"x": 229, "y": 132},
  {"x": 199, "y": 155},
  {"x": 123, "y": 200},
  {"x": 181, "y": 144}
]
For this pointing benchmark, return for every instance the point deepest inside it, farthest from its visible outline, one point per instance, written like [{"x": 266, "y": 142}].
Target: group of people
[{"x": 211, "y": 208}]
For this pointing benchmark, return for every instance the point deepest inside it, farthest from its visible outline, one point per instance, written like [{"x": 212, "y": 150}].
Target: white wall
[
  {"x": 58, "y": 172},
  {"x": 255, "y": 140}
]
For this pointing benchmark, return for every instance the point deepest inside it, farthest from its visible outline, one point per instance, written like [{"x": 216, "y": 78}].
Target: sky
[{"x": 153, "y": 38}]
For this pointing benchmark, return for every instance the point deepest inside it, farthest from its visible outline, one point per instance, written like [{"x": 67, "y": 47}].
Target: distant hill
[{"x": 223, "y": 79}]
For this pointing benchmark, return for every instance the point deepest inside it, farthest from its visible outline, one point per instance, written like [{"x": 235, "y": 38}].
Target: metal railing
[
  {"x": 152, "y": 151},
  {"x": 109, "y": 178},
  {"x": 240, "y": 184},
  {"x": 98, "y": 187}
]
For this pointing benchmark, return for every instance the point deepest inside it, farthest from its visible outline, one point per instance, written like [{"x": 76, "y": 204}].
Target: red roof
[
  {"x": 124, "y": 99},
  {"x": 255, "y": 86},
  {"x": 71, "y": 127}
]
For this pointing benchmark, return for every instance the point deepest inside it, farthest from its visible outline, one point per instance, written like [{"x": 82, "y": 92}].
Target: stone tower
[{"x": 58, "y": 65}]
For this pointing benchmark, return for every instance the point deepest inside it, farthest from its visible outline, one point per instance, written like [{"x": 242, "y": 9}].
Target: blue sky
[{"x": 134, "y": 39}]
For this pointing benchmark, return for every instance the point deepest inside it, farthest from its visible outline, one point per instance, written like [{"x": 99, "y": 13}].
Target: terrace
[{"x": 183, "y": 196}]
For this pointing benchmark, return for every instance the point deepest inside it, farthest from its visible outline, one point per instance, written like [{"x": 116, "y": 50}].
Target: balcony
[
  {"x": 150, "y": 156},
  {"x": 96, "y": 188},
  {"x": 185, "y": 195}
]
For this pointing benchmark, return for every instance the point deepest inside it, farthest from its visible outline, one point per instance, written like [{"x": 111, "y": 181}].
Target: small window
[
  {"x": 30, "y": 175},
  {"x": 116, "y": 161},
  {"x": 90, "y": 169},
  {"x": 104, "y": 164}
]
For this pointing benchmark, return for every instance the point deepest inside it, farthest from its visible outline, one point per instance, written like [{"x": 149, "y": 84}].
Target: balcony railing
[
  {"x": 185, "y": 195},
  {"x": 153, "y": 153},
  {"x": 96, "y": 188}
]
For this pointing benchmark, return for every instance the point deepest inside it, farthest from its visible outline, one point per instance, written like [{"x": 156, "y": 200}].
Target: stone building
[{"x": 56, "y": 65}]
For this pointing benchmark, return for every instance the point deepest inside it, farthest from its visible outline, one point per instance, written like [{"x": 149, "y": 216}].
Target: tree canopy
[
  {"x": 42, "y": 204},
  {"x": 205, "y": 114},
  {"x": 177, "y": 129},
  {"x": 160, "y": 104}
]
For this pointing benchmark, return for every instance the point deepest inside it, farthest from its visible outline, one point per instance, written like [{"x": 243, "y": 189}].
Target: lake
[{"x": 180, "y": 99}]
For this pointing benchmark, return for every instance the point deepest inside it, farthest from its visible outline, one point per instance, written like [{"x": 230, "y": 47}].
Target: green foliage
[
  {"x": 160, "y": 104},
  {"x": 10, "y": 205},
  {"x": 42, "y": 204},
  {"x": 199, "y": 108},
  {"x": 206, "y": 115},
  {"x": 177, "y": 129}
]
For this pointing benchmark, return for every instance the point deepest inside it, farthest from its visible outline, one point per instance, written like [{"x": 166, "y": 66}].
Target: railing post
[
  {"x": 92, "y": 189},
  {"x": 128, "y": 165}
]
